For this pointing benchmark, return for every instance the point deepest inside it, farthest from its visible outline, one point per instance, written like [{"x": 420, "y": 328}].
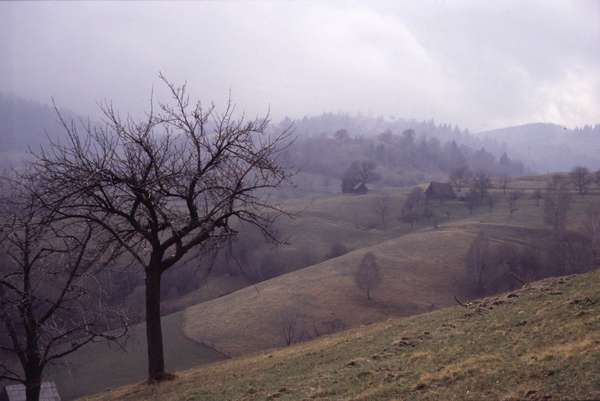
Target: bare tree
[
  {"x": 570, "y": 253},
  {"x": 472, "y": 200},
  {"x": 413, "y": 206},
  {"x": 591, "y": 228},
  {"x": 478, "y": 262},
  {"x": 50, "y": 305},
  {"x": 513, "y": 197},
  {"x": 481, "y": 184},
  {"x": 460, "y": 177},
  {"x": 367, "y": 277},
  {"x": 596, "y": 177},
  {"x": 383, "y": 204},
  {"x": 537, "y": 196},
  {"x": 557, "y": 201},
  {"x": 290, "y": 324},
  {"x": 581, "y": 178},
  {"x": 504, "y": 183},
  {"x": 182, "y": 179}
]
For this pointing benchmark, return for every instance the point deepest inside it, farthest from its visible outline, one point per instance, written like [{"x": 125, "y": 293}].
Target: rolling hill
[
  {"x": 422, "y": 269},
  {"x": 538, "y": 343}
]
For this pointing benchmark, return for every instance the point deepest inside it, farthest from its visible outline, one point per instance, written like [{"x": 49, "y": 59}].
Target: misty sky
[{"x": 479, "y": 64}]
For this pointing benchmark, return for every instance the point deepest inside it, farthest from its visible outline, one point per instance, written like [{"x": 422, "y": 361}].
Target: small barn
[
  {"x": 440, "y": 191},
  {"x": 16, "y": 392},
  {"x": 360, "y": 188}
]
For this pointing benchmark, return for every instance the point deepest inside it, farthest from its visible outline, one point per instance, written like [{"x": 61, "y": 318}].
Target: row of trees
[
  {"x": 146, "y": 193},
  {"x": 582, "y": 179},
  {"x": 496, "y": 267},
  {"x": 393, "y": 159}
]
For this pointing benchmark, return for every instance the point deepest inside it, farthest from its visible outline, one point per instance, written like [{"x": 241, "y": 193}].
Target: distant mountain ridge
[
  {"x": 546, "y": 147},
  {"x": 25, "y": 125},
  {"x": 542, "y": 147}
]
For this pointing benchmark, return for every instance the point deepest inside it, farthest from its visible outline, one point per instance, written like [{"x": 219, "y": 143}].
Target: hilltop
[{"x": 537, "y": 343}]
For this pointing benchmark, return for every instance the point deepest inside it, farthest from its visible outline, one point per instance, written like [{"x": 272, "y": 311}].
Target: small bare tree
[
  {"x": 571, "y": 253},
  {"x": 596, "y": 177},
  {"x": 557, "y": 201},
  {"x": 413, "y": 207},
  {"x": 472, "y": 200},
  {"x": 382, "y": 206},
  {"x": 481, "y": 184},
  {"x": 50, "y": 303},
  {"x": 478, "y": 262},
  {"x": 290, "y": 324},
  {"x": 591, "y": 228},
  {"x": 504, "y": 183},
  {"x": 182, "y": 179},
  {"x": 581, "y": 179},
  {"x": 367, "y": 277},
  {"x": 513, "y": 197},
  {"x": 460, "y": 177},
  {"x": 537, "y": 196}
]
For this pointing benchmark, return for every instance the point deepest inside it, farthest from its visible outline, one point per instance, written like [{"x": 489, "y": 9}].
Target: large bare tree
[
  {"x": 181, "y": 179},
  {"x": 50, "y": 303}
]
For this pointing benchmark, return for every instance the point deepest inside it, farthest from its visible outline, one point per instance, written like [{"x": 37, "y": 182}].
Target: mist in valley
[{"x": 299, "y": 200}]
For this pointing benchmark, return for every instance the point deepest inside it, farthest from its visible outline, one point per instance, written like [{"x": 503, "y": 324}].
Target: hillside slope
[
  {"x": 541, "y": 342},
  {"x": 420, "y": 271}
]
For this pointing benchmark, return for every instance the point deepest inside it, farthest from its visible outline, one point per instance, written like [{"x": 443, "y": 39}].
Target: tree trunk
[
  {"x": 33, "y": 384},
  {"x": 156, "y": 361}
]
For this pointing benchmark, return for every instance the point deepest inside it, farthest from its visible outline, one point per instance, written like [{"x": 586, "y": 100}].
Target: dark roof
[
  {"x": 360, "y": 188},
  {"x": 16, "y": 392},
  {"x": 440, "y": 190}
]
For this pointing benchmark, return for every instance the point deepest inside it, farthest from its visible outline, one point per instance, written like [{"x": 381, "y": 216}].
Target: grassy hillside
[
  {"x": 421, "y": 267},
  {"x": 317, "y": 224},
  {"x": 538, "y": 343},
  {"x": 98, "y": 367},
  {"x": 420, "y": 271}
]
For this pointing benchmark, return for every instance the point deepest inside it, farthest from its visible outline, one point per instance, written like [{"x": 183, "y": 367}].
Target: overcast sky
[{"x": 479, "y": 64}]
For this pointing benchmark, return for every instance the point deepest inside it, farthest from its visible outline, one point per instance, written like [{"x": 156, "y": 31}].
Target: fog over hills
[
  {"x": 187, "y": 182},
  {"x": 542, "y": 147},
  {"x": 550, "y": 147}
]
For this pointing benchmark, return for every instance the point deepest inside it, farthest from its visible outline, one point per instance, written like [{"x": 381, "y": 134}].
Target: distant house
[
  {"x": 360, "y": 188},
  {"x": 16, "y": 392},
  {"x": 440, "y": 191}
]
